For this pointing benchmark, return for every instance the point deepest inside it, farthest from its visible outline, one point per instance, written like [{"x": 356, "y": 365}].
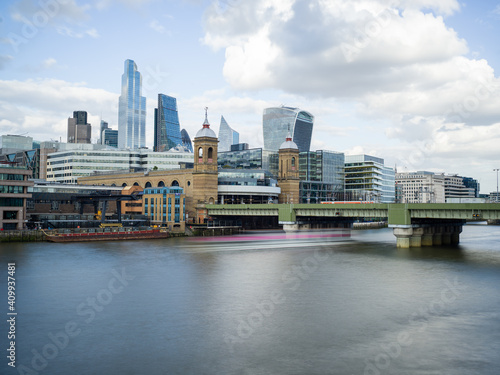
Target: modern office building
[
  {"x": 249, "y": 186},
  {"x": 79, "y": 131},
  {"x": 165, "y": 206},
  {"x": 322, "y": 176},
  {"x": 421, "y": 187},
  {"x": 167, "y": 131},
  {"x": 278, "y": 121},
  {"x": 68, "y": 166},
  {"x": 254, "y": 158},
  {"x": 239, "y": 147},
  {"x": 109, "y": 137},
  {"x": 102, "y": 126},
  {"x": 472, "y": 183},
  {"x": 28, "y": 158},
  {"x": 14, "y": 186},
  {"x": 13, "y": 143},
  {"x": 454, "y": 187},
  {"x": 186, "y": 140},
  {"x": 227, "y": 136},
  {"x": 131, "y": 109},
  {"x": 368, "y": 179}
]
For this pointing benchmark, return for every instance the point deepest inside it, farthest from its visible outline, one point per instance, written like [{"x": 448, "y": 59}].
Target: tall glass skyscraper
[
  {"x": 227, "y": 136},
  {"x": 278, "y": 121},
  {"x": 167, "y": 127},
  {"x": 131, "y": 109}
]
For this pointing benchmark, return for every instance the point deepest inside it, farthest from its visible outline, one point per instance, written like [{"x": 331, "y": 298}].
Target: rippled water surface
[{"x": 274, "y": 306}]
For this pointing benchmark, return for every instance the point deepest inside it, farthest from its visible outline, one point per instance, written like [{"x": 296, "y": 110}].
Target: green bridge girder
[{"x": 397, "y": 214}]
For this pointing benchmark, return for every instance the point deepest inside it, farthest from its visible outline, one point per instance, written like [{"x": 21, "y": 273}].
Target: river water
[{"x": 179, "y": 306}]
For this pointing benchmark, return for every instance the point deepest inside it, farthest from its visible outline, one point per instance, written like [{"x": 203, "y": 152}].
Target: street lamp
[{"x": 496, "y": 170}]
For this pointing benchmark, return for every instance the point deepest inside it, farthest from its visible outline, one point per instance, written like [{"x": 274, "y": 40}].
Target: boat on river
[{"x": 105, "y": 234}]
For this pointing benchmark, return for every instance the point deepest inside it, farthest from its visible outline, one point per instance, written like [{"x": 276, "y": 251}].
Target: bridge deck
[{"x": 397, "y": 214}]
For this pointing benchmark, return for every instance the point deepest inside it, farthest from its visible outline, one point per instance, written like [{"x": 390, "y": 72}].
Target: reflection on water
[{"x": 322, "y": 305}]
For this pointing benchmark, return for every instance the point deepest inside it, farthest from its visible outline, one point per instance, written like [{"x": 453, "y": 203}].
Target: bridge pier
[
  {"x": 437, "y": 236},
  {"x": 428, "y": 235},
  {"x": 455, "y": 234},
  {"x": 403, "y": 236}
]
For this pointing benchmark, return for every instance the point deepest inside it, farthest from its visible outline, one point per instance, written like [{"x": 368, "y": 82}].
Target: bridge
[{"x": 414, "y": 224}]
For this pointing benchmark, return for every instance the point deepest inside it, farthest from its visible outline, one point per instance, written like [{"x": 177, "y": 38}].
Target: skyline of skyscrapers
[
  {"x": 79, "y": 131},
  {"x": 131, "y": 109},
  {"x": 167, "y": 129},
  {"x": 278, "y": 121},
  {"x": 227, "y": 136}
]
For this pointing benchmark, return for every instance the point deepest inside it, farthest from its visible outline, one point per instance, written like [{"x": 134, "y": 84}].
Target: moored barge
[{"x": 102, "y": 235}]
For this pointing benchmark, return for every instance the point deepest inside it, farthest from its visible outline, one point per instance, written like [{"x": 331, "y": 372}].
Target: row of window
[
  {"x": 12, "y": 189},
  {"x": 11, "y": 177}
]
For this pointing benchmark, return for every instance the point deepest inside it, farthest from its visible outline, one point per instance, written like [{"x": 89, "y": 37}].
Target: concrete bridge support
[{"x": 429, "y": 235}]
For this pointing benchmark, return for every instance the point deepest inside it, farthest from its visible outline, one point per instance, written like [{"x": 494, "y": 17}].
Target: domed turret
[
  {"x": 205, "y": 131},
  {"x": 289, "y": 144}
]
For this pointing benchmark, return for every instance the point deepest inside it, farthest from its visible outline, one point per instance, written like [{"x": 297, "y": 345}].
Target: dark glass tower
[
  {"x": 78, "y": 129},
  {"x": 131, "y": 109},
  {"x": 167, "y": 127},
  {"x": 277, "y": 122}
]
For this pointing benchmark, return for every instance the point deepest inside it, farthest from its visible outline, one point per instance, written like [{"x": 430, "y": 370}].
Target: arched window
[
  {"x": 211, "y": 201},
  {"x": 113, "y": 184},
  {"x": 124, "y": 184},
  {"x": 293, "y": 164},
  {"x": 148, "y": 184},
  {"x": 210, "y": 152},
  {"x": 161, "y": 184},
  {"x": 136, "y": 184},
  {"x": 200, "y": 152},
  {"x": 175, "y": 183}
]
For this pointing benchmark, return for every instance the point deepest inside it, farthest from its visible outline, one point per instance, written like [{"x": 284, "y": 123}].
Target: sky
[{"x": 412, "y": 81}]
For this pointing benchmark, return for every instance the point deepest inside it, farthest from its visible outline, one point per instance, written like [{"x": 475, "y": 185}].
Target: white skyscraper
[{"x": 227, "y": 136}]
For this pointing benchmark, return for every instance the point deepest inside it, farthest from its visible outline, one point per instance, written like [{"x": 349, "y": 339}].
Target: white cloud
[
  {"x": 41, "y": 107},
  {"x": 157, "y": 26},
  {"x": 396, "y": 65},
  {"x": 49, "y": 63},
  {"x": 68, "y": 31}
]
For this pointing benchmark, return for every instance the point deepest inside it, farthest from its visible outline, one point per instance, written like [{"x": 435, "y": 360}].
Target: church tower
[
  {"x": 288, "y": 178},
  {"x": 205, "y": 172}
]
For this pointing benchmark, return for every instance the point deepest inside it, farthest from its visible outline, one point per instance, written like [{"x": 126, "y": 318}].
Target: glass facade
[
  {"x": 10, "y": 143},
  {"x": 227, "y": 136},
  {"x": 367, "y": 179},
  {"x": 255, "y": 158},
  {"x": 277, "y": 122},
  {"x": 322, "y": 176},
  {"x": 324, "y": 166},
  {"x": 109, "y": 137},
  {"x": 249, "y": 177},
  {"x": 186, "y": 140},
  {"x": 131, "y": 109},
  {"x": 167, "y": 127}
]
